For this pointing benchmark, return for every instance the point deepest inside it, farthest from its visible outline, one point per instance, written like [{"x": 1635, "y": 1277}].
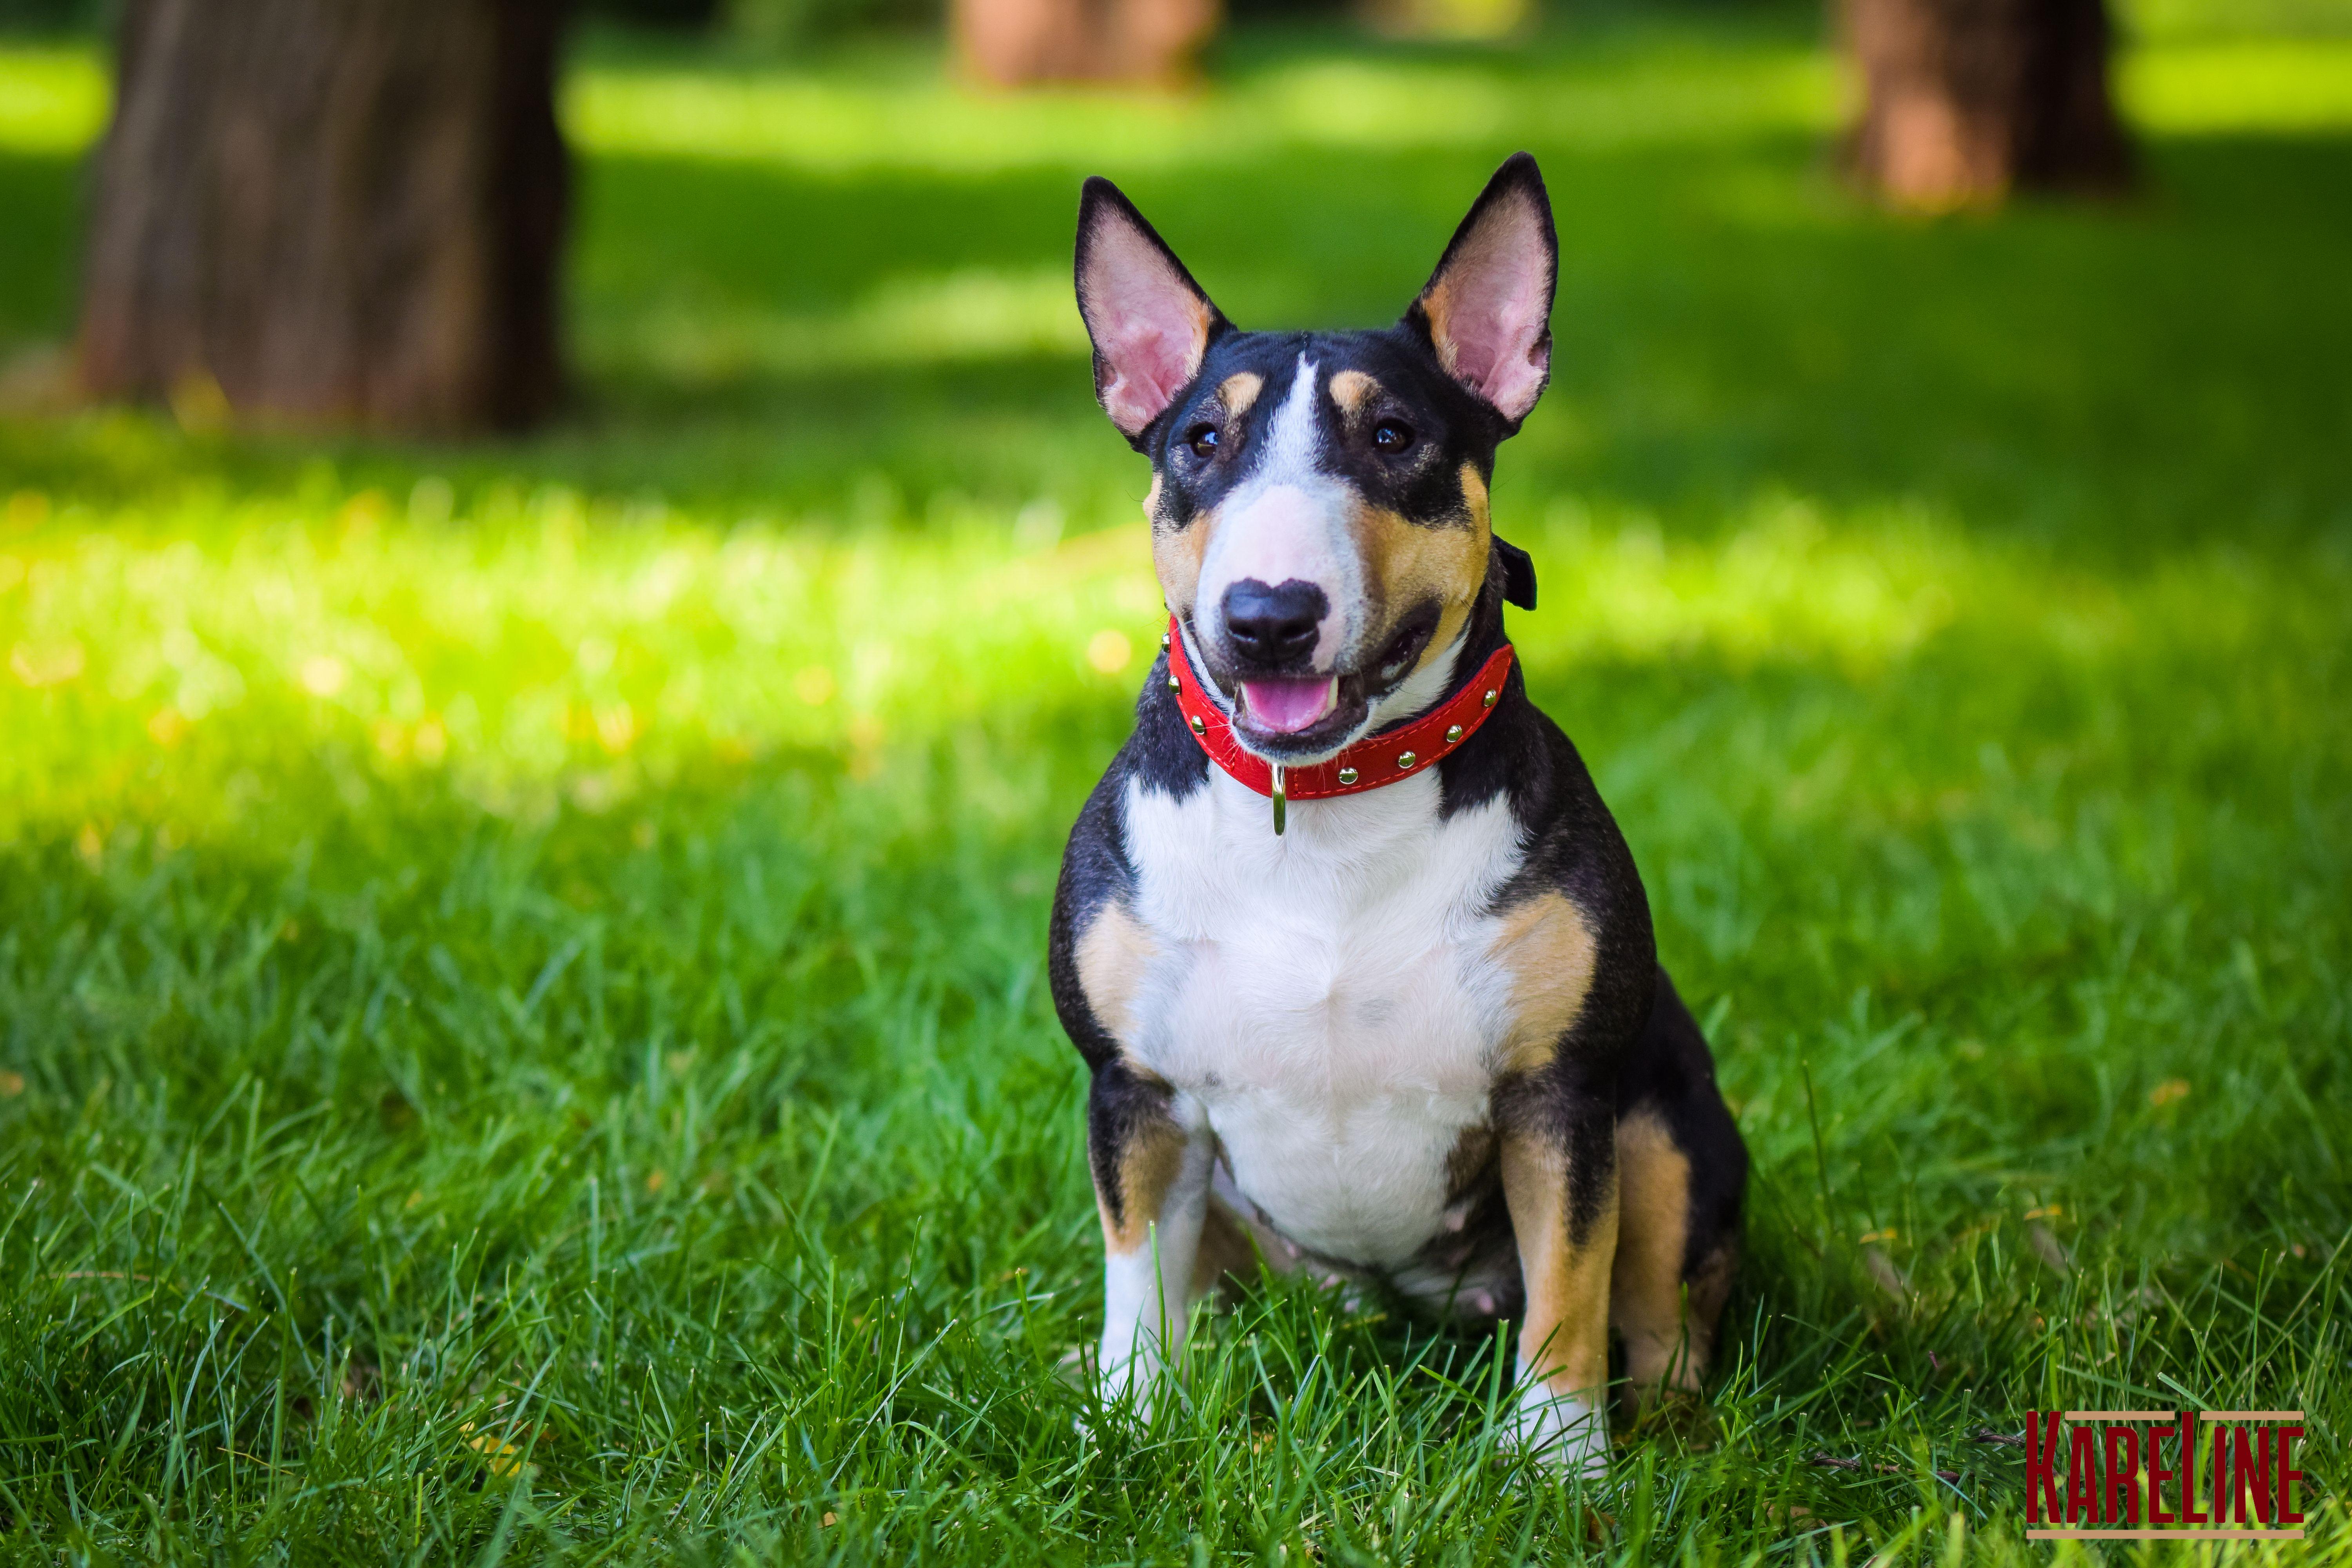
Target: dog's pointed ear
[
  {"x": 1488, "y": 309},
  {"x": 1519, "y": 573},
  {"x": 1150, "y": 322}
]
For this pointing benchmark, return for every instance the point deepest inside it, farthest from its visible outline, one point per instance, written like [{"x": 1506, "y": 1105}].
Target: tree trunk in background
[
  {"x": 1011, "y": 43},
  {"x": 1966, "y": 100},
  {"x": 331, "y": 211}
]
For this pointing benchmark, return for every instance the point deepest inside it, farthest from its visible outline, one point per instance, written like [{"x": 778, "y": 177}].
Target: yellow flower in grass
[{"x": 503, "y": 1457}]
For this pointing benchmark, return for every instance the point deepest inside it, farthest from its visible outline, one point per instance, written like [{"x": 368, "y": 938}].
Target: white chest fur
[{"x": 1329, "y": 995}]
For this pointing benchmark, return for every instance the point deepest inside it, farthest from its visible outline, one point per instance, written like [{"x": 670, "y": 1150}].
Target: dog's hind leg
[
  {"x": 1227, "y": 1253},
  {"x": 1682, "y": 1170}
]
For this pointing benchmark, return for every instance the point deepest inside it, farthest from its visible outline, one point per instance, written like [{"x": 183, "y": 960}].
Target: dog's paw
[
  {"x": 1132, "y": 1380},
  {"x": 1561, "y": 1432}
]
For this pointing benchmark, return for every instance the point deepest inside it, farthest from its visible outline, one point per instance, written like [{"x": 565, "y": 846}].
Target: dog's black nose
[{"x": 1274, "y": 626}]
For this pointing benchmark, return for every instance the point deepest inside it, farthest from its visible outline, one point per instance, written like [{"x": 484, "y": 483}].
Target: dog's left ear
[
  {"x": 1150, "y": 322},
  {"x": 1519, "y": 573},
  {"x": 1488, "y": 309}
]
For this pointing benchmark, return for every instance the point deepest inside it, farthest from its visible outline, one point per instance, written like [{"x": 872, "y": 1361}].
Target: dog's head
[{"x": 1318, "y": 499}]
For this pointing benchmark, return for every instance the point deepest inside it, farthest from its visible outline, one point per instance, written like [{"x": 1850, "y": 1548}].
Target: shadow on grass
[{"x": 2106, "y": 380}]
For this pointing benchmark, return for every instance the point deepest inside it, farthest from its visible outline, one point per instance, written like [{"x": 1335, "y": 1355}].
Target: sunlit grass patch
[
  {"x": 2264, "y": 85},
  {"x": 968, "y": 315},
  {"x": 1335, "y": 104},
  {"x": 53, "y": 97},
  {"x": 529, "y": 642},
  {"x": 1694, "y": 96}
]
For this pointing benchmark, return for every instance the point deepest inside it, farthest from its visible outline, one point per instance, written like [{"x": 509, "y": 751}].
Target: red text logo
[{"x": 2152, "y": 1474}]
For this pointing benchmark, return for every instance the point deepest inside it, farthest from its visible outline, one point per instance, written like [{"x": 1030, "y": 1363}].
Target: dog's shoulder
[
  {"x": 1575, "y": 919},
  {"x": 1093, "y": 933}
]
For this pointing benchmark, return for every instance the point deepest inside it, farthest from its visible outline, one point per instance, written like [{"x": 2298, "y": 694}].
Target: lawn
[{"x": 522, "y": 1023}]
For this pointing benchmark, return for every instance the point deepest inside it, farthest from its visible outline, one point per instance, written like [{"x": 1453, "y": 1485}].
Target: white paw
[
  {"x": 1562, "y": 1432},
  {"x": 1132, "y": 1379}
]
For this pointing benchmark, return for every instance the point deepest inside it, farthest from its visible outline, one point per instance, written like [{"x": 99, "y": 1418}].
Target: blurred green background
[{"x": 538, "y": 945}]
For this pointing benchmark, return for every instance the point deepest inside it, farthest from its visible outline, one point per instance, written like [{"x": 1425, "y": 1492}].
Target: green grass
[{"x": 539, "y": 946}]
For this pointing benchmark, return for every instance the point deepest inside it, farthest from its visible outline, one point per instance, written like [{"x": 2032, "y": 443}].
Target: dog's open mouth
[
  {"x": 1300, "y": 719},
  {"x": 1287, "y": 707}
]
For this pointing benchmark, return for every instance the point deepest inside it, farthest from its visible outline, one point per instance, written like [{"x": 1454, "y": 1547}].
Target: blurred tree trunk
[
  {"x": 331, "y": 211},
  {"x": 1967, "y": 99},
  {"x": 1010, "y": 43}
]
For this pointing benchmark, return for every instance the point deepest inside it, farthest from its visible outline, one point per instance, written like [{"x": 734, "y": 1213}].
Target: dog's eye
[
  {"x": 1391, "y": 437},
  {"x": 1202, "y": 440}
]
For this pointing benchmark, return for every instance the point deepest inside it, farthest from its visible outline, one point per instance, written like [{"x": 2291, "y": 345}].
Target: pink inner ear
[
  {"x": 1488, "y": 312},
  {"x": 1149, "y": 326}
]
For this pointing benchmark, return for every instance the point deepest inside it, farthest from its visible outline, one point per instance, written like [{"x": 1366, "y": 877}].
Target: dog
[{"x": 1359, "y": 961}]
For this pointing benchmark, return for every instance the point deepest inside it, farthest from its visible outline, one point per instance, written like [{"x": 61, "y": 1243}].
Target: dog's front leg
[
  {"x": 1559, "y": 1179},
  {"x": 1151, "y": 1149}
]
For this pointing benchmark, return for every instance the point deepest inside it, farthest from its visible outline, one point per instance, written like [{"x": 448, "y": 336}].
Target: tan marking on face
[
  {"x": 1474, "y": 499},
  {"x": 1437, "y": 304},
  {"x": 1204, "y": 317},
  {"x": 1547, "y": 947},
  {"x": 1238, "y": 390},
  {"x": 1177, "y": 553},
  {"x": 1113, "y": 952},
  {"x": 1666, "y": 1340},
  {"x": 1407, "y": 562},
  {"x": 1148, "y": 1167},
  {"x": 1564, "y": 1337},
  {"x": 1353, "y": 391},
  {"x": 1176, "y": 557}
]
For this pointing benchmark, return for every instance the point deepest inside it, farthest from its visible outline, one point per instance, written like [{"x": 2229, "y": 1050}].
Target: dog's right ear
[
  {"x": 1487, "y": 310},
  {"x": 1151, "y": 324}
]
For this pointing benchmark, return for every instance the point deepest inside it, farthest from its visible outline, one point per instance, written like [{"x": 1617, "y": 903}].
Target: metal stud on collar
[
  {"x": 1281, "y": 796},
  {"x": 1347, "y": 775},
  {"x": 1453, "y": 733},
  {"x": 1199, "y": 726},
  {"x": 1408, "y": 759},
  {"x": 1490, "y": 697}
]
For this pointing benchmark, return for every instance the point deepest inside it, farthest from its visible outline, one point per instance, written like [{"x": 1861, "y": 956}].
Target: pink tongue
[{"x": 1283, "y": 706}]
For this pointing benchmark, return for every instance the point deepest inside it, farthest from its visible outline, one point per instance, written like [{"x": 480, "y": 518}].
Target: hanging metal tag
[{"x": 1281, "y": 798}]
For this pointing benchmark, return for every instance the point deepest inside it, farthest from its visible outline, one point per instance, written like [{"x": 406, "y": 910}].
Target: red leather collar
[{"x": 1376, "y": 760}]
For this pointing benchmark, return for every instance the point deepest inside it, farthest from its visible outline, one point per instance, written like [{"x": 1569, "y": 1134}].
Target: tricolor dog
[{"x": 1356, "y": 954}]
